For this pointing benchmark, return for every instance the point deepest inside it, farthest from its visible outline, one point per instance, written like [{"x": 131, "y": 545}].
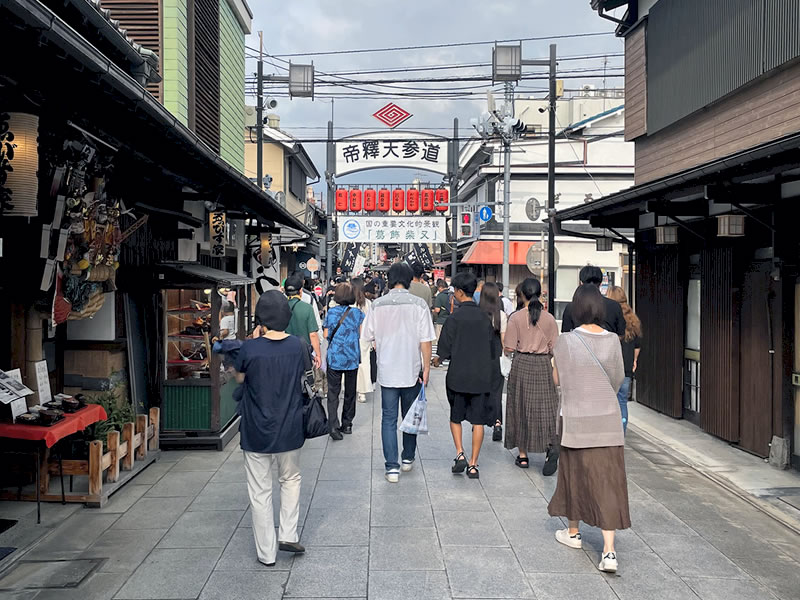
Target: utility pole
[
  {"x": 508, "y": 112},
  {"x": 329, "y": 171},
  {"x": 454, "y": 150},
  {"x": 260, "y": 113},
  {"x": 551, "y": 187}
]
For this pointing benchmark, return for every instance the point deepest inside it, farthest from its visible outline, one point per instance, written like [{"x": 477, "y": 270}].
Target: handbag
[
  {"x": 315, "y": 420},
  {"x": 373, "y": 365}
]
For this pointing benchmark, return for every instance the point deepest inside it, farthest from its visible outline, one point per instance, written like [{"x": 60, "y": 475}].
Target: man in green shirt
[
  {"x": 442, "y": 306},
  {"x": 303, "y": 324}
]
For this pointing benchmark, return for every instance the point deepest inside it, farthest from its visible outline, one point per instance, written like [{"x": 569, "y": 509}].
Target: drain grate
[{"x": 47, "y": 574}]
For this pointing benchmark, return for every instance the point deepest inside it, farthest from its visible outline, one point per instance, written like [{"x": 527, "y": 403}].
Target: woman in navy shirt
[{"x": 342, "y": 329}]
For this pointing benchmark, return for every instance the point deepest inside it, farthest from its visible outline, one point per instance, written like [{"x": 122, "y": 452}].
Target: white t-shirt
[
  {"x": 398, "y": 323},
  {"x": 508, "y": 307},
  {"x": 306, "y": 297},
  {"x": 228, "y": 322}
]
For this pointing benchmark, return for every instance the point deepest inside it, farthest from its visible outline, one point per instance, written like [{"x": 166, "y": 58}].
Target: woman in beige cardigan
[{"x": 592, "y": 486}]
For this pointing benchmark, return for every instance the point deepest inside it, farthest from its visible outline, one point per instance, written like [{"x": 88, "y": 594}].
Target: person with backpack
[
  {"x": 303, "y": 323},
  {"x": 443, "y": 306}
]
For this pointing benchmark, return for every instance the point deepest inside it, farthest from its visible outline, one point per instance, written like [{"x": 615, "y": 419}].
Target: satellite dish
[
  {"x": 533, "y": 209},
  {"x": 536, "y": 259}
]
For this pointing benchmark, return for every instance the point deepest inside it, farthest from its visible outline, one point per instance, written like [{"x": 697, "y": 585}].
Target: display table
[{"x": 71, "y": 423}]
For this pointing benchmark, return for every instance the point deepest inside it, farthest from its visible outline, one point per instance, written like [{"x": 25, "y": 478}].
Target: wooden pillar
[
  {"x": 95, "y": 467},
  {"x": 141, "y": 429},
  {"x": 155, "y": 421},
  {"x": 127, "y": 436},
  {"x": 113, "y": 450},
  {"x": 33, "y": 351}
]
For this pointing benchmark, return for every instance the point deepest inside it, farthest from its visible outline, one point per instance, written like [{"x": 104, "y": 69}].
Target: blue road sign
[{"x": 485, "y": 213}]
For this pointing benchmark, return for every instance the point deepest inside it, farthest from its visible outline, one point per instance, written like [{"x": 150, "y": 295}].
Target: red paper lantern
[
  {"x": 442, "y": 199},
  {"x": 398, "y": 200},
  {"x": 412, "y": 200},
  {"x": 370, "y": 202},
  {"x": 384, "y": 200},
  {"x": 427, "y": 200},
  {"x": 341, "y": 200},
  {"x": 355, "y": 200}
]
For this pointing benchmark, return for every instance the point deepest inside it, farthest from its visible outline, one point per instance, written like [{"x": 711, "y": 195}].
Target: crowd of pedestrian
[{"x": 566, "y": 397}]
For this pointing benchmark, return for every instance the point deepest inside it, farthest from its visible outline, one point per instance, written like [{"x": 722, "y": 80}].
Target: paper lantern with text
[
  {"x": 341, "y": 200},
  {"x": 19, "y": 163},
  {"x": 370, "y": 202},
  {"x": 442, "y": 199},
  {"x": 355, "y": 200},
  {"x": 384, "y": 200},
  {"x": 412, "y": 200},
  {"x": 427, "y": 200},
  {"x": 398, "y": 200}
]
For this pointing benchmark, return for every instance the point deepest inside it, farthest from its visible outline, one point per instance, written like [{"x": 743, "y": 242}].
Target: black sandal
[
  {"x": 497, "y": 433},
  {"x": 522, "y": 462},
  {"x": 551, "y": 464},
  {"x": 460, "y": 463},
  {"x": 472, "y": 472}
]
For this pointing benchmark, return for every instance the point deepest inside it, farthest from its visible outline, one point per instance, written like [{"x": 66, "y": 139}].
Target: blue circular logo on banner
[
  {"x": 351, "y": 229},
  {"x": 485, "y": 213}
]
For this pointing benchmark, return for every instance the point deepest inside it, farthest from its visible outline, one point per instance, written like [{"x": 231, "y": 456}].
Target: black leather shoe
[
  {"x": 348, "y": 429},
  {"x": 551, "y": 464},
  {"x": 497, "y": 433},
  {"x": 291, "y": 547},
  {"x": 336, "y": 434}
]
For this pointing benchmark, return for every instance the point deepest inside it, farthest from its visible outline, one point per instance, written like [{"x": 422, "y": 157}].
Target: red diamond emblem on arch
[{"x": 392, "y": 115}]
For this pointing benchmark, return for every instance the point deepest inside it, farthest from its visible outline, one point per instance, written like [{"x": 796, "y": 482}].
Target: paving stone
[
  {"x": 240, "y": 555},
  {"x": 201, "y": 460},
  {"x": 75, "y": 535},
  {"x": 124, "y": 549},
  {"x": 539, "y": 552},
  {"x": 408, "y": 484},
  {"x": 229, "y": 472},
  {"x": 222, "y": 496},
  {"x": 98, "y": 586},
  {"x": 333, "y": 526},
  {"x": 692, "y": 556},
  {"x": 153, "y": 472},
  {"x": 467, "y": 501},
  {"x": 36, "y": 574},
  {"x": 407, "y": 510},
  {"x": 644, "y": 576},
  {"x": 560, "y": 586},
  {"x": 652, "y": 517},
  {"x": 180, "y": 483},
  {"x": 345, "y": 469},
  {"x": 404, "y": 549},
  {"x": 174, "y": 456},
  {"x": 727, "y": 589},
  {"x": 329, "y": 573},
  {"x": 408, "y": 585},
  {"x": 479, "y": 528},
  {"x": 153, "y": 513},
  {"x": 514, "y": 513},
  {"x": 202, "y": 529},
  {"x": 171, "y": 574},
  {"x": 124, "y": 499},
  {"x": 255, "y": 586},
  {"x": 485, "y": 573},
  {"x": 625, "y": 540},
  {"x": 781, "y": 574},
  {"x": 334, "y": 494}
]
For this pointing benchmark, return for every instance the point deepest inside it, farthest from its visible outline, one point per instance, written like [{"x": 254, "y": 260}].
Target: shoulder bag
[
  {"x": 339, "y": 324},
  {"x": 315, "y": 421},
  {"x": 594, "y": 356}
]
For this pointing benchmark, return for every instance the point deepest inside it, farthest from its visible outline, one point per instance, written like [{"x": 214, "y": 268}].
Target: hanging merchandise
[
  {"x": 412, "y": 200},
  {"x": 427, "y": 200}
]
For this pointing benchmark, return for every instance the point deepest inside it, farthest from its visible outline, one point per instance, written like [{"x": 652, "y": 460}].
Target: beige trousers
[{"x": 259, "y": 486}]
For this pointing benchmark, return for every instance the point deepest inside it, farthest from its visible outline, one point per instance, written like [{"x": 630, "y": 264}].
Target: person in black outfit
[
  {"x": 613, "y": 321},
  {"x": 468, "y": 340}
]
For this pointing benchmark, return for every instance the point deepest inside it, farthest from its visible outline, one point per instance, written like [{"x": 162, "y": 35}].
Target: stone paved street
[{"x": 183, "y": 531}]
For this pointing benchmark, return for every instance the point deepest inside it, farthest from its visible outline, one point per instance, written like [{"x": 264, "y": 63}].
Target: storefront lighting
[
  {"x": 19, "y": 161},
  {"x": 667, "y": 234},
  {"x": 730, "y": 226},
  {"x": 207, "y": 291},
  {"x": 604, "y": 244}
]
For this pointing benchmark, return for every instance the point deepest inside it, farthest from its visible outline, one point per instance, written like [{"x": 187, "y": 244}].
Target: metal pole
[
  {"x": 260, "y": 119},
  {"x": 551, "y": 187},
  {"x": 507, "y": 185},
  {"x": 329, "y": 171},
  {"x": 454, "y": 150}
]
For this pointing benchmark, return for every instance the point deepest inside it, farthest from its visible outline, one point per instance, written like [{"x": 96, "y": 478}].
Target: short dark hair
[
  {"x": 344, "y": 294},
  {"x": 419, "y": 270},
  {"x": 441, "y": 284},
  {"x": 587, "y": 306},
  {"x": 228, "y": 307},
  {"x": 465, "y": 282},
  {"x": 293, "y": 284},
  {"x": 591, "y": 274},
  {"x": 400, "y": 273},
  {"x": 499, "y": 285}
]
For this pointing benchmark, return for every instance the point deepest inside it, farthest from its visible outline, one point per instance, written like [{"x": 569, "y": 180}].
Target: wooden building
[{"x": 713, "y": 110}]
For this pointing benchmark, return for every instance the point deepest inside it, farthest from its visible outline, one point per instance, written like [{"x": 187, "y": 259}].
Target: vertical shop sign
[{"x": 216, "y": 227}]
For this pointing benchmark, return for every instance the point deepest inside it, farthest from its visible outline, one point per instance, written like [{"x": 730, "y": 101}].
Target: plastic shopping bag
[
  {"x": 505, "y": 365},
  {"x": 416, "y": 419}
]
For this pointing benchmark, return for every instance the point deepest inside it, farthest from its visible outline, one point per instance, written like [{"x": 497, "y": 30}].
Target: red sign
[{"x": 392, "y": 115}]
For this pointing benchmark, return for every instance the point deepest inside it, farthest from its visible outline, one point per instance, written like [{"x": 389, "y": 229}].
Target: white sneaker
[
  {"x": 407, "y": 465},
  {"x": 608, "y": 562},
  {"x": 573, "y": 541},
  {"x": 362, "y": 398},
  {"x": 392, "y": 476}
]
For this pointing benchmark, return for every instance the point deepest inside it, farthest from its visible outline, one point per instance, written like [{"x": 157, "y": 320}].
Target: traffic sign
[{"x": 485, "y": 213}]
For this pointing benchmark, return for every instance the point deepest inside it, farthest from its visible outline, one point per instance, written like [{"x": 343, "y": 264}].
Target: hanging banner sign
[
  {"x": 391, "y": 149},
  {"x": 216, "y": 229},
  {"x": 398, "y": 230},
  {"x": 349, "y": 257}
]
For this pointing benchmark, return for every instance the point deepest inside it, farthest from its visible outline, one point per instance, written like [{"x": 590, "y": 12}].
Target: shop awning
[
  {"x": 188, "y": 273},
  {"x": 490, "y": 252}
]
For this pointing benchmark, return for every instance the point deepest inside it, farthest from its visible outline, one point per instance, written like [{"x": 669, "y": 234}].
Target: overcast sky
[{"x": 323, "y": 25}]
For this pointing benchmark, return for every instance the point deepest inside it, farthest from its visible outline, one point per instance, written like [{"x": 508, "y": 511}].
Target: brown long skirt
[
  {"x": 531, "y": 404},
  {"x": 592, "y": 487}
]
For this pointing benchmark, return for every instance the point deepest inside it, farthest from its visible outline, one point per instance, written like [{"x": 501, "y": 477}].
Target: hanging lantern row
[{"x": 398, "y": 200}]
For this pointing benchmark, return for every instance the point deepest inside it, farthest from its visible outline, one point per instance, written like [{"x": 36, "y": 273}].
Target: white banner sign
[
  {"x": 393, "y": 230},
  {"x": 391, "y": 149}
]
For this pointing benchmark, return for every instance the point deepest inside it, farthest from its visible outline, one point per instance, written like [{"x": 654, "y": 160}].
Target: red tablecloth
[{"x": 71, "y": 423}]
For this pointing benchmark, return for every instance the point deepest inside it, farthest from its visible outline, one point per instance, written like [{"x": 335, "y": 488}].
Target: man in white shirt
[
  {"x": 400, "y": 325},
  {"x": 227, "y": 322},
  {"x": 508, "y": 307}
]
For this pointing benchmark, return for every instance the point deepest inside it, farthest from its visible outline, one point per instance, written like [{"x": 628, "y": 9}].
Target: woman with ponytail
[
  {"x": 492, "y": 304},
  {"x": 631, "y": 345},
  {"x": 532, "y": 401}
]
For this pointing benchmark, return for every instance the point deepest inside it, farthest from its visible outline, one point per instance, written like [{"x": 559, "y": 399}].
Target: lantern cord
[{"x": 92, "y": 137}]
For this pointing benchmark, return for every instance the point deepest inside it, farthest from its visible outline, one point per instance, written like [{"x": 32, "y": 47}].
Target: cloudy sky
[{"x": 303, "y": 26}]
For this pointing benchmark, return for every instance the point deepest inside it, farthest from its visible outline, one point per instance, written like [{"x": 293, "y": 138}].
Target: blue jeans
[
  {"x": 390, "y": 399},
  {"x": 622, "y": 396}
]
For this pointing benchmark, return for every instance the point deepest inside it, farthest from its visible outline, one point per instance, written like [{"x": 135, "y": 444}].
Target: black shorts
[{"x": 475, "y": 408}]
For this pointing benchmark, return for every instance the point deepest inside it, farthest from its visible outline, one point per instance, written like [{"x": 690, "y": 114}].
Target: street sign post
[{"x": 485, "y": 213}]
